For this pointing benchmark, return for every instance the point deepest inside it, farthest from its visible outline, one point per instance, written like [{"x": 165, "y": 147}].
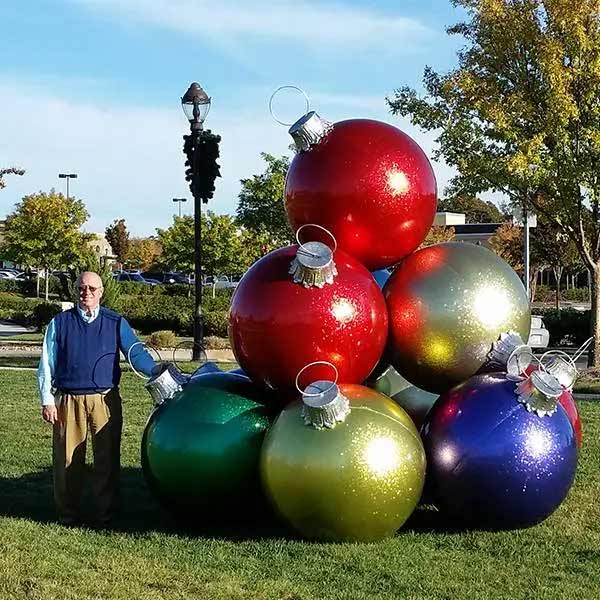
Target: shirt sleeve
[
  {"x": 47, "y": 365},
  {"x": 140, "y": 358}
]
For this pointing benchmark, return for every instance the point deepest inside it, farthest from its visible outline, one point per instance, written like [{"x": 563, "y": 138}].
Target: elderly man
[{"x": 78, "y": 379}]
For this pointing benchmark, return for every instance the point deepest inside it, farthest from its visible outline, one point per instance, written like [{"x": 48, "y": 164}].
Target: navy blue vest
[{"x": 87, "y": 353}]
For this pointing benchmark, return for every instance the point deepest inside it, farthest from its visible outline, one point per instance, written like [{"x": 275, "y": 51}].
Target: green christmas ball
[
  {"x": 201, "y": 451},
  {"x": 358, "y": 481},
  {"x": 415, "y": 401}
]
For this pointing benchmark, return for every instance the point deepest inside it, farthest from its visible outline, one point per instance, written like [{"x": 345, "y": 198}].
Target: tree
[
  {"x": 221, "y": 245},
  {"x": 9, "y": 171},
  {"x": 559, "y": 251},
  {"x": 437, "y": 235},
  {"x": 260, "y": 206},
  {"x": 474, "y": 209},
  {"x": 143, "y": 253},
  {"x": 178, "y": 244},
  {"x": 118, "y": 238},
  {"x": 508, "y": 244},
  {"x": 520, "y": 114},
  {"x": 43, "y": 231}
]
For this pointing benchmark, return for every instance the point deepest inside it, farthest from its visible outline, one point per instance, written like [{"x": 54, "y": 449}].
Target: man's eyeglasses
[{"x": 92, "y": 289}]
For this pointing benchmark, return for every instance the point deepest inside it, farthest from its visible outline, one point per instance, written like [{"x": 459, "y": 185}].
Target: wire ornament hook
[
  {"x": 301, "y": 244},
  {"x": 290, "y": 87},
  {"x": 312, "y": 364},
  {"x": 140, "y": 375},
  {"x": 203, "y": 356}
]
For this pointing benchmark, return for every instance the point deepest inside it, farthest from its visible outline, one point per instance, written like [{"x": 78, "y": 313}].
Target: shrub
[
  {"x": 567, "y": 327},
  {"x": 215, "y": 323},
  {"x": 576, "y": 294},
  {"x": 162, "y": 339},
  {"x": 44, "y": 312},
  {"x": 216, "y": 343}
]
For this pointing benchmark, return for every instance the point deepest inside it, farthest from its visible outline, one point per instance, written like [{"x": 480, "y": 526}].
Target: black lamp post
[
  {"x": 196, "y": 104},
  {"x": 179, "y": 201}
]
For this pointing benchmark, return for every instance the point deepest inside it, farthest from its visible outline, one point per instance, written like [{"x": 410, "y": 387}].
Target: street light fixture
[
  {"x": 179, "y": 201},
  {"x": 67, "y": 176},
  {"x": 196, "y": 104}
]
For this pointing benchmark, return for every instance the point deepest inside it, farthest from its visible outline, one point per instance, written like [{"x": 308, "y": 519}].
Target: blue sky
[{"x": 94, "y": 86}]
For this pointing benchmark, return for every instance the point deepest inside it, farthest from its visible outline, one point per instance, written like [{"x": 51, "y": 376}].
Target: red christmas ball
[
  {"x": 277, "y": 326},
  {"x": 368, "y": 183}
]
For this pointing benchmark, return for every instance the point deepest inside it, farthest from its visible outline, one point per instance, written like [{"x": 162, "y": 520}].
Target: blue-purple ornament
[
  {"x": 381, "y": 276},
  {"x": 492, "y": 460}
]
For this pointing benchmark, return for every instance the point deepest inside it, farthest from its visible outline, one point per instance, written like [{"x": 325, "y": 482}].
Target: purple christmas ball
[{"x": 490, "y": 462}]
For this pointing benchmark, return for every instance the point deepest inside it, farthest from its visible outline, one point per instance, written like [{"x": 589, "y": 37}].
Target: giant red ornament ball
[
  {"x": 368, "y": 183},
  {"x": 277, "y": 326}
]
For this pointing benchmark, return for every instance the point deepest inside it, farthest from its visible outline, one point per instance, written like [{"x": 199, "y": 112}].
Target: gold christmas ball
[{"x": 448, "y": 304}]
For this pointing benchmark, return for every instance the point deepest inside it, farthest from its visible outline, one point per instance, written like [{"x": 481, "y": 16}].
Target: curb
[{"x": 587, "y": 397}]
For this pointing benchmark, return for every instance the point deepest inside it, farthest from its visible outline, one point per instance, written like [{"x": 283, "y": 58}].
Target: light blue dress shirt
[{"x": 142, "y": 361}]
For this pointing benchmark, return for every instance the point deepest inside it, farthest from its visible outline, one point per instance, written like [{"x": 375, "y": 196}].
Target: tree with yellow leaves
[{"x": 520, "y": 114}]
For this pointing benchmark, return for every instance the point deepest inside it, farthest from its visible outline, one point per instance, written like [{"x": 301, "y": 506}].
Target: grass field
[{"x": 148, "y": 555}]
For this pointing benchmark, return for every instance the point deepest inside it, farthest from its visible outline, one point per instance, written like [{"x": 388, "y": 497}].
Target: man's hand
[{"x": 50, "y": 414}]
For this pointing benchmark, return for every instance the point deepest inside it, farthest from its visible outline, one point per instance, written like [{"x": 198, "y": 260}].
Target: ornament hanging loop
[
  {"x": 287, "y": 87},
  {"x": 560, "y": 365},
  {"x": 582, "y": 348},
  {"x": 141, "y": 375},
  {"x": 312, "y": 364},
  {"x": 203, "y": 357},
  {"x": 318, "y": 227}
]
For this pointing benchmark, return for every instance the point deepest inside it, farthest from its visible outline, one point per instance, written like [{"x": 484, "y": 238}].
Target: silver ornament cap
[
  {"x": 309, "y": 130},
  {"x": 509, "y": 354},
  {"x": 313, "y": 265},
  {"x": 539, "y": 393},
  {"x": 562, "y": 366},
  {"x": 166, "y": 383},
  {"x": 324, "y": 406}
]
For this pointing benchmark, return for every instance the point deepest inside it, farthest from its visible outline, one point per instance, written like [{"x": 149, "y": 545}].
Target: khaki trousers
[{"x": 101, "y": 416}]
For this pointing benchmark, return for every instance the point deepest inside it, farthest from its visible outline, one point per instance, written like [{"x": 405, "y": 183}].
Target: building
[
  {"x": 102, "y": 249},
  {"x": 474, "y": 233}
]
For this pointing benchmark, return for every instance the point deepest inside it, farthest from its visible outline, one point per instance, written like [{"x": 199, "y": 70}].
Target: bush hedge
[
  {"x": 145, "y": 314},
  {"x": 567, "y": 327}
]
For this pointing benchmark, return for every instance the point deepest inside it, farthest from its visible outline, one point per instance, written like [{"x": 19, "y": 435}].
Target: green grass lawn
[{"x": 149, "y": 555}]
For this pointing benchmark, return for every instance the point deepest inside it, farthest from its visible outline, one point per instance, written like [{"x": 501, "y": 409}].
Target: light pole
[
  {"x": 179, "y": 201},
  {"x": 196, "y": 104},
  {"x": 67, "y": 176}
]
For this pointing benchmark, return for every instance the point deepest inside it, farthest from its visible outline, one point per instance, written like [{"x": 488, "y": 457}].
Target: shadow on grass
[{"x": 31, "y": 497}]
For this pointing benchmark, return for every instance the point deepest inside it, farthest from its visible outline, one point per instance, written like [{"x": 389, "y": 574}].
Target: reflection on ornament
[
  {"x": 491, "y": 306},
  {"x": 381, "y": 455},
  {"x": 398, "y": 182},
  {"x": 343, "y": 310}
]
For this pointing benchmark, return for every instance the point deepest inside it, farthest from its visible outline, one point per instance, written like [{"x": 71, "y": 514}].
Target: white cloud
[
  {"x": 129, "y": 159},
  {"x": 313, "y": 23}
]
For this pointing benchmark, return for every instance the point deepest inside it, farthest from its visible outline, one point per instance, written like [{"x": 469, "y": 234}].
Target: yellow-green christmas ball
[{"x": 358, "y": 481}]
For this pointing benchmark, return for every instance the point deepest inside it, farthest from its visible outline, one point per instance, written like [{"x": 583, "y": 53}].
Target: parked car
[
  {"x": 134, "y": 277},
  {"x": 166, "y": 277},
  {"x": 221, "y": 282},
  {"x": 539, "y": 336}
]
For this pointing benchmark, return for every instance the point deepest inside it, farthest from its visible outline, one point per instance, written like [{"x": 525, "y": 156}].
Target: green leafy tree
[
  {"x": 221, "y": 245},
  {"x": 177, "y": 243},
  {"x": 520, "y": 114},
  {"x": 118, "y": 237},
  {"x": 9, "y": 171},
  {"x": 437, "y": 235},
  {"x": 143, "y": 253},
  {"x": 260, "y": 207},
  {"x": 474, "y": 209},
  {"x": 43, "y": 231}
]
